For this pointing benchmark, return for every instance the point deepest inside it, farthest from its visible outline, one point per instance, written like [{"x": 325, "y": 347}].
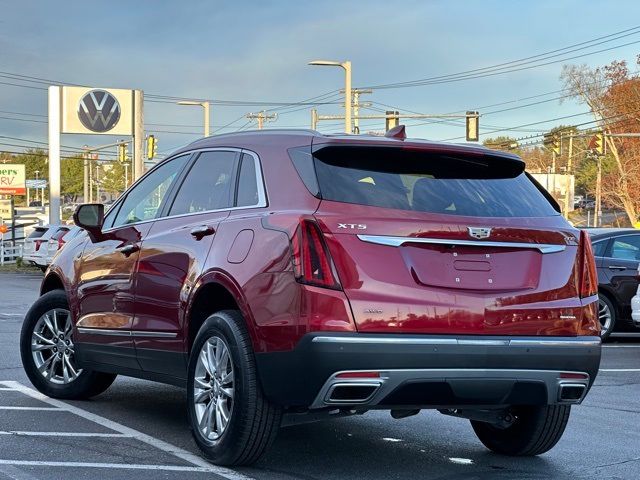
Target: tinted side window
[
  {"x": 599, "y": 248},
  {"x": 303, "y": 161},
  {"x": 144, "y": 200},
  {"x": 208, "y": 185},
  {"x": 247, "y": 183},
  {"x": 626, "y": 248}
]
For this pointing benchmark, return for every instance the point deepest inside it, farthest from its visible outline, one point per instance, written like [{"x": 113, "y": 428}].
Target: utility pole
[
  {"x": 597, "y": 214},
  {"x": 568, "y": 179},
  {"x": 98, "y": 182},
  {"x": 356, "y": 92},
  {"x": 138, "y": 134},
  {"x": 85, "y": 192},
  {"x": 314, "y": 119},
  {"x": 262, "y": 117},
  {"x": 90, "y": 183},
  {"x": 553, "y": 172}
]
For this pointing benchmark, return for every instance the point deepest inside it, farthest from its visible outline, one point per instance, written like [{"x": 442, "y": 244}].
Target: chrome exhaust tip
[
  {"x": 571, "y": 392},
  {"x": 352, "y": 392}
]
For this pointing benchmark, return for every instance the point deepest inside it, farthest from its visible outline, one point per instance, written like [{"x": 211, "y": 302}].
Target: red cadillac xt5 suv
[{"x": 275, "y": 273}]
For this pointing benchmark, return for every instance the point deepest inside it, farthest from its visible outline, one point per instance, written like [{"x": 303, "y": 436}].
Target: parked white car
[
  {"x": 31, "y": 252},
  {"x": 635, "y": 304},
  {"x": 35, "y": 249},
  {"x": 59, "y": 239}
]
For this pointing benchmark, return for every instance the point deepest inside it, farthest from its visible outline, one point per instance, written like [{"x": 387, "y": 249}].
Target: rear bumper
[{"x": 429, "y": 371}]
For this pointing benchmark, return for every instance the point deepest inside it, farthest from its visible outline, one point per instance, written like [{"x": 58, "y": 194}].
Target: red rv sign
[{"x": 12, "y": 179}]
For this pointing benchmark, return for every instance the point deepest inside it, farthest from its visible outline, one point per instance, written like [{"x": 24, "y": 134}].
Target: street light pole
[
  {"x": 346, "y": 65},
  {"x": 206, "y": 107}
]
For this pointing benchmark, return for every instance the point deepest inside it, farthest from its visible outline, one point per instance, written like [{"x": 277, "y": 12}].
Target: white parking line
[
  {"x": 115, "y": 466},
  {"x": 63, "y": 434},
  {"x": 620, "y": 369},
  {"x": 44, "y": 409},
  {"x": 200, "y": 465},
  {"x": 621, "y": 346}
]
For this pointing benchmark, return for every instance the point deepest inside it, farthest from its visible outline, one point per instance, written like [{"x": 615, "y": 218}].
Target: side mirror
[{"x": 90, "y": 216}]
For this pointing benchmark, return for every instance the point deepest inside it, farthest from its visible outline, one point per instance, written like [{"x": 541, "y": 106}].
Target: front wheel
[
  {"x": 231, "y": 420},
  {"x": 534, "y": 431},
  {"x": 48, "y": 352}
]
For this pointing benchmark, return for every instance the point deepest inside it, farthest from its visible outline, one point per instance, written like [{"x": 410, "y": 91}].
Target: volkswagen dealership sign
[
  {"x": 92, "y": 111},
  {"x": 99, "y": 111},
  {"x": 102, "y": 111}
]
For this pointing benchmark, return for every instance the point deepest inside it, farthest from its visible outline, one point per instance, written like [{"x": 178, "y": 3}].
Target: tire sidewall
[
  {"x": 612, "y": 310},
  {"x": 222, "y": 325},
  {"x": 75, "y": 389}
]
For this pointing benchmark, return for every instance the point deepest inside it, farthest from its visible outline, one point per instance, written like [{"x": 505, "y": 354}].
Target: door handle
[
  {"x": 128, "y": 249},
  {"x": 202, "y": 231},
  {"x": 617, "y": 267}
]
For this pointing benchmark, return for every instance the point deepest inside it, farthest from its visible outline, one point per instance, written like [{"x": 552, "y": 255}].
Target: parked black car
[{"x": 617, "y": 253}]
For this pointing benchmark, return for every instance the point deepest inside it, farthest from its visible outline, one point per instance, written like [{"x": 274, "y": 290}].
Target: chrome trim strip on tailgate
[{"x": 392, "y": 241}]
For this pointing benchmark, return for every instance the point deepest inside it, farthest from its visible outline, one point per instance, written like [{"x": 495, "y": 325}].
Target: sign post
[{"x": 54, "y": 155}]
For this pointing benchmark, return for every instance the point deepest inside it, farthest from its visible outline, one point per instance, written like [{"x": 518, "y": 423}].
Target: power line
[
  {"x": 510, "y": 65},
  {"x": 597, "y": 121}
]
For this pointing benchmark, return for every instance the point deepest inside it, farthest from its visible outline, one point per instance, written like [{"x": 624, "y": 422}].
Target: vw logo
[
  {"x": 479, "y": 232},
  {"x": 99, "y": 111}
]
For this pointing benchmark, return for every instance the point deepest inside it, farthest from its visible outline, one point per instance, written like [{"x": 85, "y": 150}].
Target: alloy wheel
[
  {"x": 604, "y": 315},
  {"x": 52, "y": 347},
  {"x": 214, "y": 388}
]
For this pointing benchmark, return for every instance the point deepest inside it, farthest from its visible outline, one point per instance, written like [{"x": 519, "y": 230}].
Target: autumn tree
[
  {"x": 613, "y": 96},
  {"x": 113, "y": 180}
]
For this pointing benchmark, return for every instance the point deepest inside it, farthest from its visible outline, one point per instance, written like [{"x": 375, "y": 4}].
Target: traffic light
[
  {"x": 597, "y": 143},
  {"x": 152, "y": 147},
  {"x": 122, "y": 152},
  {"x": 392, "y": 119},
  {"x": 552, "y": 142},
  {"x": 472, "y": 119}
]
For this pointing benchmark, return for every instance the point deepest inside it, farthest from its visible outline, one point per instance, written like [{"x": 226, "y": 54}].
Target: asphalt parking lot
[{"x": 139, "y": 430}]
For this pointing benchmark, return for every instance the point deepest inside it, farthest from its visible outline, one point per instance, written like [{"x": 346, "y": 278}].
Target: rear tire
[
  {"x": 607, "y": 316},
  {"x": 47, "y": 361},
  {"x": 231, "y": 420},
  {"x": 536, "y": 430}
]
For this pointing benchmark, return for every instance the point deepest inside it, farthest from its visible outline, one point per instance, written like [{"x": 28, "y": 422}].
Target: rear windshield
[
  {"x": 37, "y": 233},
  {"x": 59, "y": 234},
  {"x": 428, "y": 182}
]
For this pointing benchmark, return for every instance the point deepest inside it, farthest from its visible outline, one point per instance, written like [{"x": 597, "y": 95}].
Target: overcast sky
[{"x": 258, "y": 51}]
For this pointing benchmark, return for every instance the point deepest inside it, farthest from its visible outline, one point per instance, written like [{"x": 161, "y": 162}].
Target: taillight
[
  {"x": 37, "y": 244},
  {"x": 60, "y": 242},
  {"x": 588, "y": 285},
  {"x": 312, "y": 263}
]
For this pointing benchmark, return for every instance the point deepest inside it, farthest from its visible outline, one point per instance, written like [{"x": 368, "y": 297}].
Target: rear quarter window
[{"x": 37, "y": 233}]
